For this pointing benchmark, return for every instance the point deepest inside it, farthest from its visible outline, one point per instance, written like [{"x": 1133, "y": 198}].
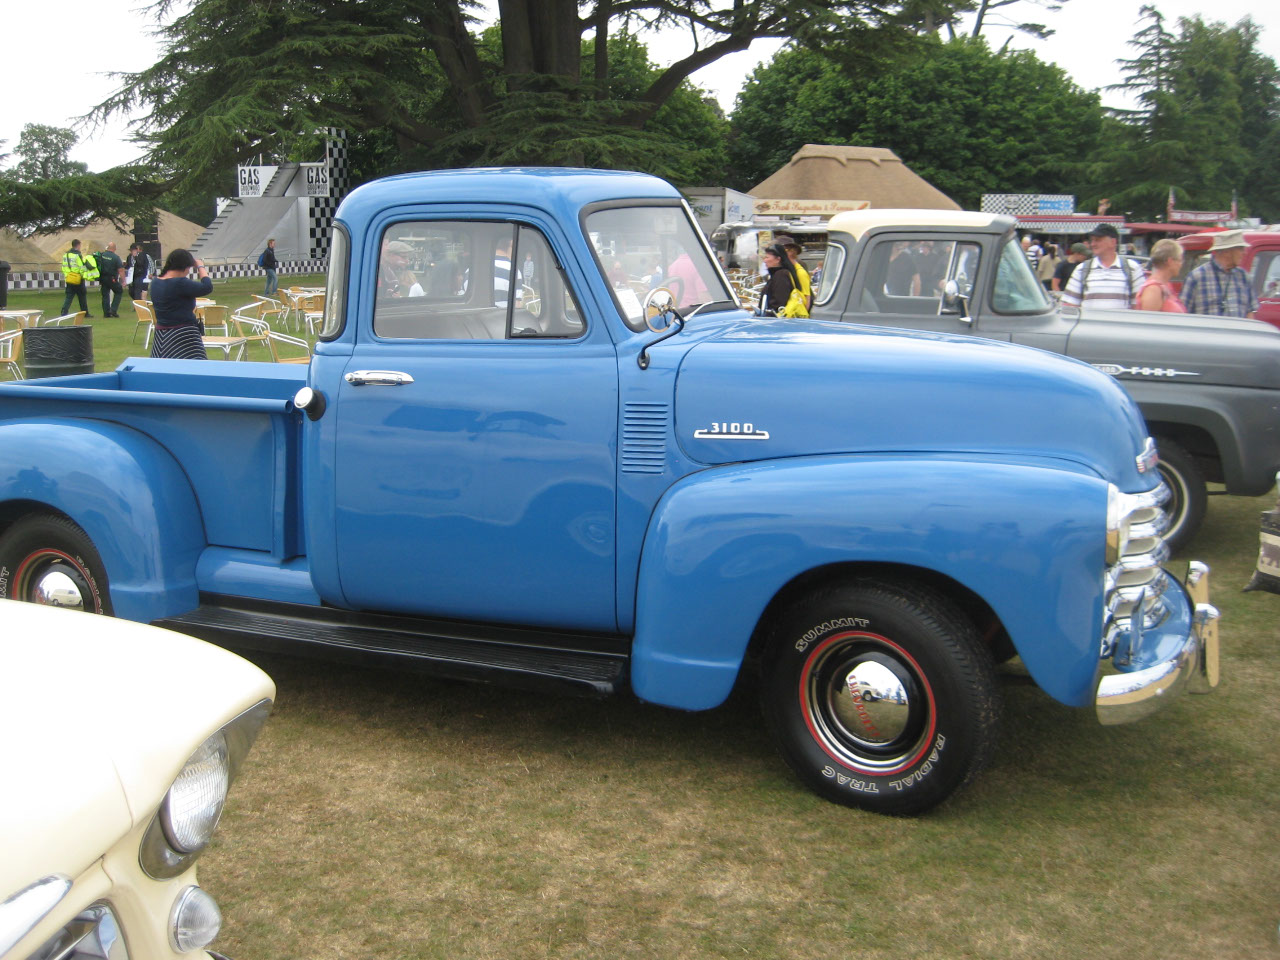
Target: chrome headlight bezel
[
  {"x": 174, "y": 840},
  {"x": 193, "y": 805}
]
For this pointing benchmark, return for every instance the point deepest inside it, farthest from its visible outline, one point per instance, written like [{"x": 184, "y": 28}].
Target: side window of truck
[
  {"x": 464, "y": 280},
  {"x": 1266, "y": 273},
  {"x": 908, "y": 276}
]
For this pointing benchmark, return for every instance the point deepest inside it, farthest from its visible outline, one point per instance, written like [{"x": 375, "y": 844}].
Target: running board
[{"x": 583, "y": 664}]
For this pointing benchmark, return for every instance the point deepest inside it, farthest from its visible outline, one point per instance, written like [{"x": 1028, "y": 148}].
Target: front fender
[
  {"x": 126, "y": 492},
  {"x": 1244, "y": 423},
  {"x": 1028, "y": 537}
]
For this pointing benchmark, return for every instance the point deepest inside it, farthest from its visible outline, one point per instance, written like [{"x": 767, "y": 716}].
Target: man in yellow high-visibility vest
[{"x": 74, "y": 273}]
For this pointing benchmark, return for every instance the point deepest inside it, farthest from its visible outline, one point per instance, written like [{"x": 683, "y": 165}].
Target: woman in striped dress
[{"x": 173, "y": 294}]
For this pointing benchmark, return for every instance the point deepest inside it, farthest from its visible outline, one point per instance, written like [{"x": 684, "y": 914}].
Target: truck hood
[
  {"x": 788, "y": 388},
  {"x": 1141, "y": 345}
]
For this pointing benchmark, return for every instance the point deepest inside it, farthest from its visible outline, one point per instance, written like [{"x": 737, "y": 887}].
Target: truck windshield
[
  {"x": 639, "y": 249},
  {"x": 1017, "y": 290}
]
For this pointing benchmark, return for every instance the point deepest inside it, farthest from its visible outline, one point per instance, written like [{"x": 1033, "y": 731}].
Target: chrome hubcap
[
  {"x": 55, "y": 588},
  {"x": 867, "y": 705},
  {"x": 870, "y": 702}
]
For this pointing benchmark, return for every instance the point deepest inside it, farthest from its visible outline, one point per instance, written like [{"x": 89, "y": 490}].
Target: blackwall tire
[
  {"x": 880, "y": 695},
  {"x": 1190, "y": 498},
  {"x": 48, "y": 559}
]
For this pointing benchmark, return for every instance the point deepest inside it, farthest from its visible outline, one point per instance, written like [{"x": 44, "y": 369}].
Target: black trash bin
[
  {"x": 57, "y": 351},
  {"x": 4, "y": 284}
]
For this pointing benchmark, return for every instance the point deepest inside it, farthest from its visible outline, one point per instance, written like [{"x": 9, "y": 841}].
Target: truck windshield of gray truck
[
  {"x": 642, "y": 248},
  {"x": 1017, "y": 290}
]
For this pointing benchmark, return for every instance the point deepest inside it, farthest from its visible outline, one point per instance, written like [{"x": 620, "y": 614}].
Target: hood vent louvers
[{"x": 644, "y": 437}]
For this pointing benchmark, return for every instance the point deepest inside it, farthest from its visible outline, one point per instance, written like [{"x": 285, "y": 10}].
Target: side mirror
[
  {"x": 659, "y": 309},
  {"x": 955, "y": 302}
]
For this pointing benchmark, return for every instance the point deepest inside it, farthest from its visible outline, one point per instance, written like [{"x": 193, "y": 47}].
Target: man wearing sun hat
[
  {"x": 1108, "y": 281},
  {"x": 1220, "y": 286}
]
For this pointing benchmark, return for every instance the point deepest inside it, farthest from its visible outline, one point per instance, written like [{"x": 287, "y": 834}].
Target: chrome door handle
[{"x": 380, "y": 378}]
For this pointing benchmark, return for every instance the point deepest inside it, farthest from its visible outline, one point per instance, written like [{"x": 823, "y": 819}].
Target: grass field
[
  {"x": 113, "y": 340},
  {"x": 387, "y": 815}
]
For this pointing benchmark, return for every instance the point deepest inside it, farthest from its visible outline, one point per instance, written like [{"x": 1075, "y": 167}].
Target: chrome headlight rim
[
  {"x": 195, "y": 920},
  {"x": 194, "y": 802},
  {"x": 157, "y": 855}
]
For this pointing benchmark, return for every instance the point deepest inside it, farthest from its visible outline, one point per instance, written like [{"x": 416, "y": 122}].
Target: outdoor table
[{"x": 25, "y": 318}]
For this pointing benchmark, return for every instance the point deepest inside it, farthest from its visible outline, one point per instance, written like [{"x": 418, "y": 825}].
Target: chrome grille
[{"x": 1136, "y": 582}]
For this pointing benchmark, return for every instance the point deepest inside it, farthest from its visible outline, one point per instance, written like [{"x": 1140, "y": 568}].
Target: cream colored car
[{"x": 119, "y": 743}]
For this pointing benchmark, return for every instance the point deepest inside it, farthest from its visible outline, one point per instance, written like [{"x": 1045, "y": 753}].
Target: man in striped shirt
[
  {"x": 1107, "y": 281},
  {"x": 1219, "y": 285}
]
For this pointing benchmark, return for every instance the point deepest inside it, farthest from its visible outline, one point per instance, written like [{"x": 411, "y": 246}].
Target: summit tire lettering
[{"x": 822, "y": 629}]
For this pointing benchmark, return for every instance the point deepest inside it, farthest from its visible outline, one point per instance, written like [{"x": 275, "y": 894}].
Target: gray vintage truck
[{"x": 1209, "y": 387}]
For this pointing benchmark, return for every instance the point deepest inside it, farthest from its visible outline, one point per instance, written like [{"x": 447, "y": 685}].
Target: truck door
[
  {"x": 476, "y": 439},
  {"x": 901, "y": 280}
]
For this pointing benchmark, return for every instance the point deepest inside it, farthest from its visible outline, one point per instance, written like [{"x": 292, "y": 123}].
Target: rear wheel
[
  {"x": 1190, "y": 498},
  {"x": 880, "y": 695},
  {"x": 47, "y": 559}
]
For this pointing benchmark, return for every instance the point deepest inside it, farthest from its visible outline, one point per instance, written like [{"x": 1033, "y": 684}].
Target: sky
[{"x": 67, "y": 71}]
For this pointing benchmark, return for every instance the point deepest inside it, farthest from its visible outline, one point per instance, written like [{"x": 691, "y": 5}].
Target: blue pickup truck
[{"x": 512, "y": 460}]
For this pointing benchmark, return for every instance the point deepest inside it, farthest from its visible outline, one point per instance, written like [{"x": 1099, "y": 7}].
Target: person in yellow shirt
[
  {"x": 74, "y": 270},
  {"x": 802, "y": 275}
]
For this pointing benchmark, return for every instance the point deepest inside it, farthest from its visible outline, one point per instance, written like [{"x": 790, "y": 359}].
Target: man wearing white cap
[
  {"x": 1108, "y": 281},
  {"x": 1219, "y": 285}
]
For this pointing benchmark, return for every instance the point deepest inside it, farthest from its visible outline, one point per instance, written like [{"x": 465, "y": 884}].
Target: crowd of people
[
  {"x": 1099, "y": 275},
  {"x": 172, "y": 291}
]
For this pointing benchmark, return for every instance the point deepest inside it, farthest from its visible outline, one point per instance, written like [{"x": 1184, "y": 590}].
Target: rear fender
[
  {"x": 1028, "y": 537},
  {"x": 126, "y": 492}
]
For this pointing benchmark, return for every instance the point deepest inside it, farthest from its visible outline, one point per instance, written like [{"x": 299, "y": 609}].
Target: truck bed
[{"x": 230, "y": 426}]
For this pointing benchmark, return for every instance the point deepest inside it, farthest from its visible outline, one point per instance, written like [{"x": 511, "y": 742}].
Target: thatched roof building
[{"x": 826, "y": 172}]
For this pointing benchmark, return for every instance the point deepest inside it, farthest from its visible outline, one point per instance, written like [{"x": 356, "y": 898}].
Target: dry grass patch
[{"x": 388, "y": 815}]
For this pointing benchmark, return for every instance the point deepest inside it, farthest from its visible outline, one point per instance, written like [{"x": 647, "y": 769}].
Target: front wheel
[
  {"x": 1190, "y": 498},
  {"x": 880, "y": 695},
  {"x": 47, "y": 559}
]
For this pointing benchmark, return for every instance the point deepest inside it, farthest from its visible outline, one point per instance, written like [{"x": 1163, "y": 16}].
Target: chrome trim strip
[
  {"x": 381, "y": 378},
  {"x": 21, "y": 912},
  {"x": 725, "y": 435}
]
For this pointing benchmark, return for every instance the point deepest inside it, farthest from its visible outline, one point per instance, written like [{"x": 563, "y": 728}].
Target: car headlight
[
  {"x": 195, "y": 921},
  {"x": 189, "y": 814},
  {"x": 193, "y": 806}
]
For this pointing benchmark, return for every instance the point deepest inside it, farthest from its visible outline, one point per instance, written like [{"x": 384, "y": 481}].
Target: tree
[
  {"x": 46, "y": 191},
  {"x": 968, "y": 120},
  {"x": 1207, "y": 112},
  {"x": 44, "y": 151},
  {"x": 989, "y": 8},
  {"x": 247, "y": 77}
]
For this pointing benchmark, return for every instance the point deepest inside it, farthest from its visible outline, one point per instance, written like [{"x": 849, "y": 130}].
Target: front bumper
[{"x": 1193, "y": 667}]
